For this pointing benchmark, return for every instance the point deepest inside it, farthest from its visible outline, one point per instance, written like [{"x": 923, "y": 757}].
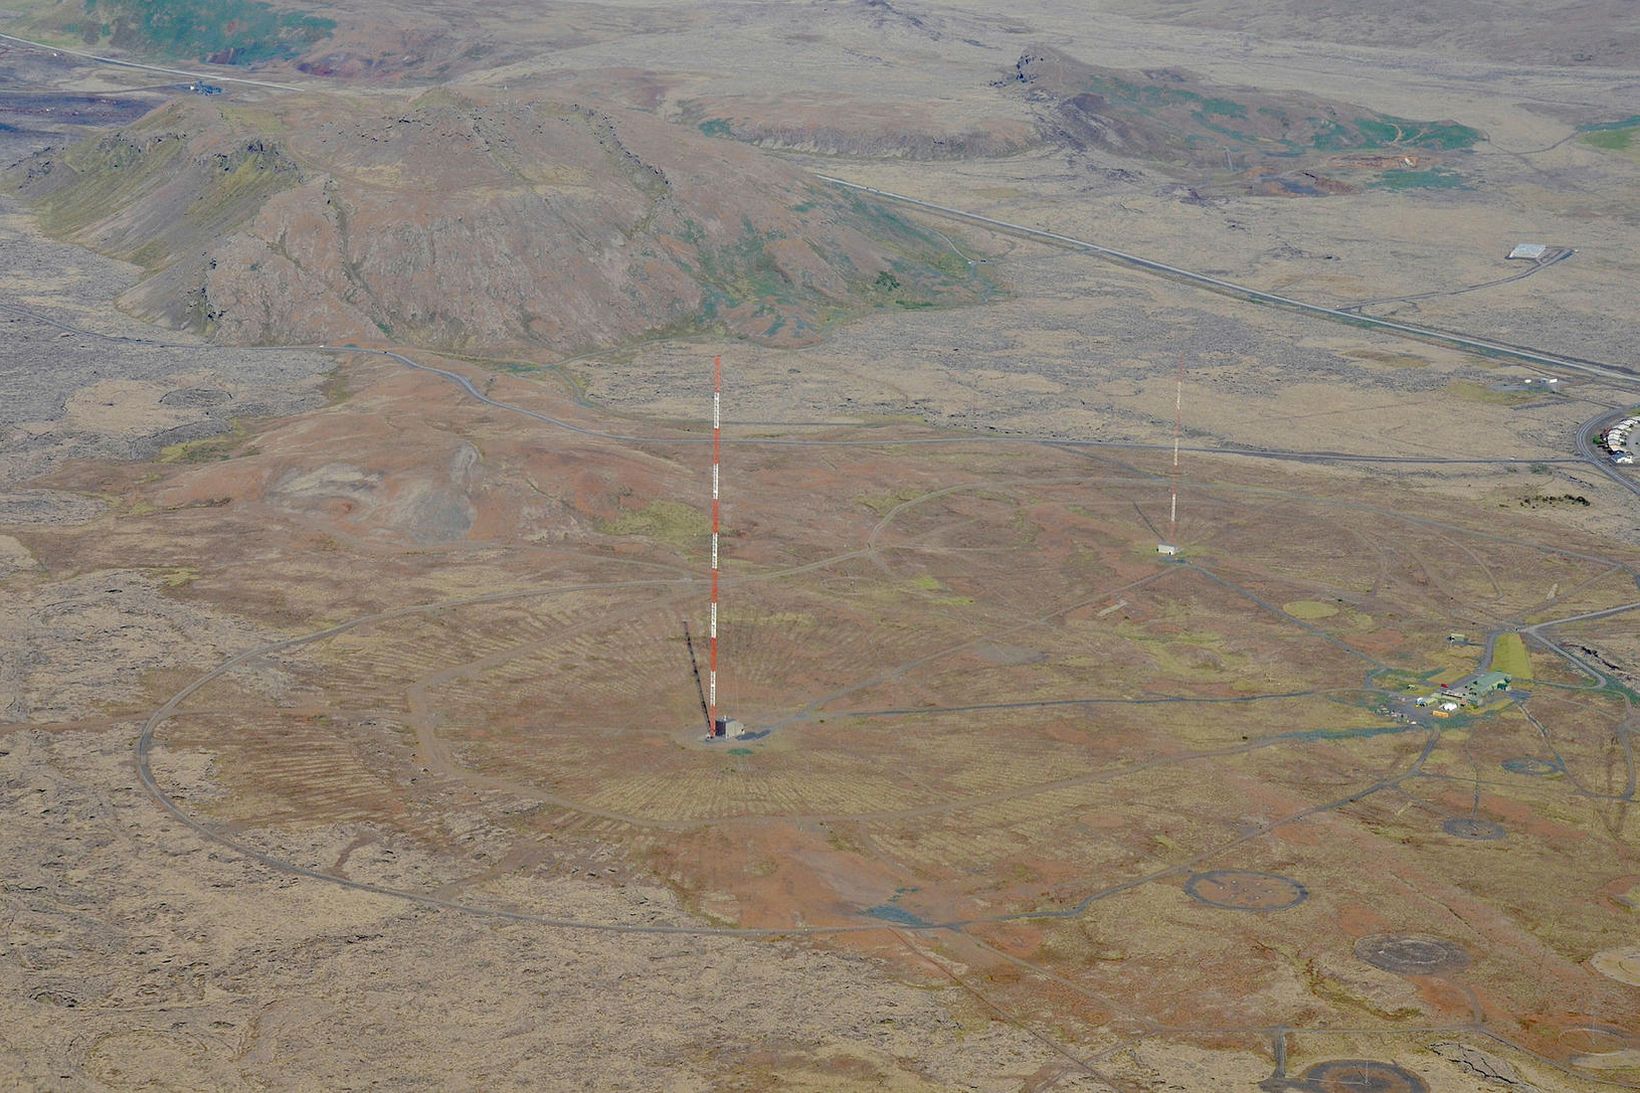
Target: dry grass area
[
  {"x": 1026, "y": 806},
  {"x": 1005, "y": 739}
]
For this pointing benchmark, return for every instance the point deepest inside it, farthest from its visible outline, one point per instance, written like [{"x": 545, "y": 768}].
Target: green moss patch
[
  {"x": 1470, "y": 391},
  {"x": 241, "y": 32},
  {"x": 1184, "y": 116},
  {"x": 1435, "y": 178},
  {"x": 670, "y": 522},
  {"x": 1613, "y": 140},
  {"x": 1622, "y": 137},
  {"x": 205, "y": 450}
]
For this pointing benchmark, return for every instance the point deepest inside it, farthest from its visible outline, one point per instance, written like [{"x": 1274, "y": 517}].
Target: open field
[
  {"x": 1001, "y": 729},
  {"x": 354, "y": 501}
]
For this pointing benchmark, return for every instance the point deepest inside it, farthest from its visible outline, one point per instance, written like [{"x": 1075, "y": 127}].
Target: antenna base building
[{"x": 727, "y": 728}]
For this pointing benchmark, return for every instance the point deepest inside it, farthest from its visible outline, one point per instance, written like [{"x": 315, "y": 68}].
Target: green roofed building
[{"x": 1476, "y": 690}]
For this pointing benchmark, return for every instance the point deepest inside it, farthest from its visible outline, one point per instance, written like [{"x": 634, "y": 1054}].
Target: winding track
[
  {"x": 869, "y": 441},
  {"x": 160, "y": 716},
  {"x": 1590, "y": 452},
  {"x": 1559, "y": 254},
  {"x": 1392, "y": 779},
  {"x": 145, "y": 745},
  {"x": 206, "y": 77},
  {"x": 1483, "y": 346},
  {"x": 146, "y": 740}
]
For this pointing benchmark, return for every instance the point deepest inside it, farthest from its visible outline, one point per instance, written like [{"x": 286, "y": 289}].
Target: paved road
[
  {"x": 161, "y": 715},
  {"x": 1558, "y": 254},
  {"x": 874, "y": 437},
  {"x": 1622, "y": 731},
  {"x": 1536, "y": 631},
  {"x": 1394, "y": 778},
  {"x": 1397, "y": 777},
  {"x": 1483, "y": 346},
  {"x": 207, "y": 77},
  {"x": 1486, "y": 347},
  {"x": 1591, "y": 452}
]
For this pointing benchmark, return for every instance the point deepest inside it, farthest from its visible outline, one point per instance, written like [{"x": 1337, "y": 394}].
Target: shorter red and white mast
[{"x": 1178, "y": 428}]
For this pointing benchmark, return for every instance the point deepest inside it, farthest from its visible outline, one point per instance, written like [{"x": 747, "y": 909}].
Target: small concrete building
[
  {"x": 1529, "y": 251},
  {"x": 1167, "y": 549}
]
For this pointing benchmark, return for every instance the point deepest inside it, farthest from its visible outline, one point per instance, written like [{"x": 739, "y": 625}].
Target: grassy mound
[
  {"x": 1509, "y": 656},
  {"x": 1194, "y": 126},
  {"x": 241, "y": 32}
]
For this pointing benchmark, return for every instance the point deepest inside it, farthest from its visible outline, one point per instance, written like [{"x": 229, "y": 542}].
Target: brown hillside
[{"x": 459, "y": 223}]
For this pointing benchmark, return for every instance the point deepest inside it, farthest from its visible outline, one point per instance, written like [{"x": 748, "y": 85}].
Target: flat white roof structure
[
  {"x": 1166, "y": 548},
  {"x": 1530, "y": 251}
]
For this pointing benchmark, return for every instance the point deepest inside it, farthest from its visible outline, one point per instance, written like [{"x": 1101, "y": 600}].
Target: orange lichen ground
[{"x": 1001, "y": 735}]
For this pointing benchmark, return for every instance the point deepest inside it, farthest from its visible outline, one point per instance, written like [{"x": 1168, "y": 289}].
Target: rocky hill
[
  {"x": 468, "y": 224},
  {"x": 1278, "y": 141},
  {"x": 219, "y": 31},
  {"x": 831, "y": 124}
]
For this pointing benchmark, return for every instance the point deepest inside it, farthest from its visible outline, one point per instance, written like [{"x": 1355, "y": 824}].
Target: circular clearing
[
  {"x": 1310, "y": 610},
  {"x": 144, "y": 1057},
  {"x": 1531, "y": 767},
  {"x": 1362, "y": 1076},
  {"x": 1622, "y": 965},
  {"x": 1411, "y": 954},
  {"x": 1594, "y": 1040},
  {"x": 1467, "y": 827},
  {"x": 1245, "y": 890}
]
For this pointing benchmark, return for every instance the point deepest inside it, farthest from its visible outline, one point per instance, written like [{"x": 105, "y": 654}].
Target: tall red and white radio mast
[{"x": 717, "y": 726}]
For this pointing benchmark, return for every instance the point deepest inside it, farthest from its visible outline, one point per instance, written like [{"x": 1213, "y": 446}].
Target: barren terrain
[{"x": 354, "y": 479}]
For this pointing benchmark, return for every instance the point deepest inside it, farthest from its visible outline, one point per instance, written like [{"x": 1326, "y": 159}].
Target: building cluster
[
  {"x": 1471, "y": 691},
  {"x": 1618, "y": 440}
]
